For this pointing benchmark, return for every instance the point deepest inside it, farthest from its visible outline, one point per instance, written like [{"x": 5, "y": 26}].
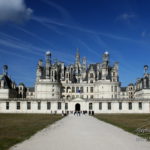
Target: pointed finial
[
  {"x": 5, "y": 69},
  {"x": 145, "y": 68},
  {"x": 106, "y": 53},
  {"x": 48, "y": 53}
]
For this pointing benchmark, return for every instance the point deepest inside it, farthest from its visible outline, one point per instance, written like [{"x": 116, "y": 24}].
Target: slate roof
[
  {"x": 123, "y": 89},
  {"x": 31, "y": 89}
]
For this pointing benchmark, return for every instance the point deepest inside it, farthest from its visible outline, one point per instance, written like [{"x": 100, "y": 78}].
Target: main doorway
[{"x": 77, "y": 107}]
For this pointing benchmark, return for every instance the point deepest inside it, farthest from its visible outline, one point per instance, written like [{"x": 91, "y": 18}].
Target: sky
[{"x": 29, "y": 28}]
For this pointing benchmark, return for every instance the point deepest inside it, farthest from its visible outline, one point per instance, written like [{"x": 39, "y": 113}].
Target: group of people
[{"x": 78, "y": 113}]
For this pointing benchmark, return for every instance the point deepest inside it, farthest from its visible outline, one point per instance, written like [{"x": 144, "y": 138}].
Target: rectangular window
[
  {"x": 91, "y": 96},
  {"x": 78, "y": 80},
  {"x": 90, "y": 106},
  {"x": 120, "y": 105},
  {"x": 18, "y": 105},
  {"x": 112, "y": 88},
  {"x": 130, "y": 106},
  {"x": 39, "y": 105},
  {"x": 7, "y": 105},
  {"x": 115, "y": 88},
  {"x": 73, "y": 89},
  {"x": 77, "y": 89},
  {"x": 87, "y": 89},
  {"x": 48, "y": 105},
  {"x": 59, "y": 105},
  {"x": 81, "y": 89},
  {"x": 66, "y": 106},
  {"x": 91, "y": 89},
  {"x": 100, "y": 105},
  {"x": 109, "y": 105},
  {"x": 28, "y": 105},
  {"x": 140, "y": 105}
]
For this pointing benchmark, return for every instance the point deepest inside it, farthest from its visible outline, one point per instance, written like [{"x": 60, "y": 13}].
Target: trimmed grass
[
  {"x": 15, "y": 128},
  {"x": 138, "y": 124}
]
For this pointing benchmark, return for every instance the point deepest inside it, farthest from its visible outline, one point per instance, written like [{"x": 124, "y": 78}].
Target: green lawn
[
  {"x": 15, "y": 128},
  {"x": 138, "y": 124}
]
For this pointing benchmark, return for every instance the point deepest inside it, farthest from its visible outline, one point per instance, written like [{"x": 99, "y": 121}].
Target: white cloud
[
  {"x": 14, "y": 11},
  {"x": 126, "y": 16}
]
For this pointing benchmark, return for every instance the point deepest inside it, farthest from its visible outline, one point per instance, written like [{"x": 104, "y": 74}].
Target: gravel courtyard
[{"x": 84, "y": 132}]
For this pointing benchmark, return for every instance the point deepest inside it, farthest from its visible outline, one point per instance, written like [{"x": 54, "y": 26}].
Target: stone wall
[{"x": 59, "y": 105}]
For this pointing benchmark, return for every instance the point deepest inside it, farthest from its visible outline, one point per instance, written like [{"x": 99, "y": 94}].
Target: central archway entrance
[{"x": 77, "y": 107}]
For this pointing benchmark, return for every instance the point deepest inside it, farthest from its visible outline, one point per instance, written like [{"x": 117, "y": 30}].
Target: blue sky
[{"x": 28, "y": 28}]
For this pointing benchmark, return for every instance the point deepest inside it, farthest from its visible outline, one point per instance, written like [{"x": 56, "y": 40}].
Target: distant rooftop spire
[
  {"x": 5, "y": 69},
  {"x": 106, "y": 56},
  {"x": 48, "y": 58},
  {"x": 77, "y": 56},
  {"x": 145, "y": 68}
]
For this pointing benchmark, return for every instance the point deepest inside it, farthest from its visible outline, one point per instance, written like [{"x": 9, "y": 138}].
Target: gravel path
[{"x": 82, "y": 133}]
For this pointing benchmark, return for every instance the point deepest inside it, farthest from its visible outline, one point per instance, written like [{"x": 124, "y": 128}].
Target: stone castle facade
[
  {"x": 56, "y": 80},
  {"x": 79, "y": 86}
]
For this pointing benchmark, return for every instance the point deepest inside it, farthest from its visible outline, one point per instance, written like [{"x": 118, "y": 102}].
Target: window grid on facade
[
  {"x": 130, "y": 106},
  {"x": 18, "y": 105},
  {"x": 59, "y": 105},
  {"x": 91, "y": 89},
  {"x": 77, "y": 89},
  {"x": 39, "y": 105},
  {"x": 28, "y": 105},
  {"x": 111, "y": 88},
  {"x": 48, "y": 105},
  {"x": 73, "y": 89},
  {"x": 100, "y": 105},
  {"x": 120, "y": 105},
  {"x": 7, "y": 105},
  {"x": 81, "y": 89},
  {"x": 115, "y": 88},
  {"x": 90, "y": 106},
  {"x": 66, "y": 106},
  {"x": 109, "y": 105},
  {"x": 140, "y": 105}
]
